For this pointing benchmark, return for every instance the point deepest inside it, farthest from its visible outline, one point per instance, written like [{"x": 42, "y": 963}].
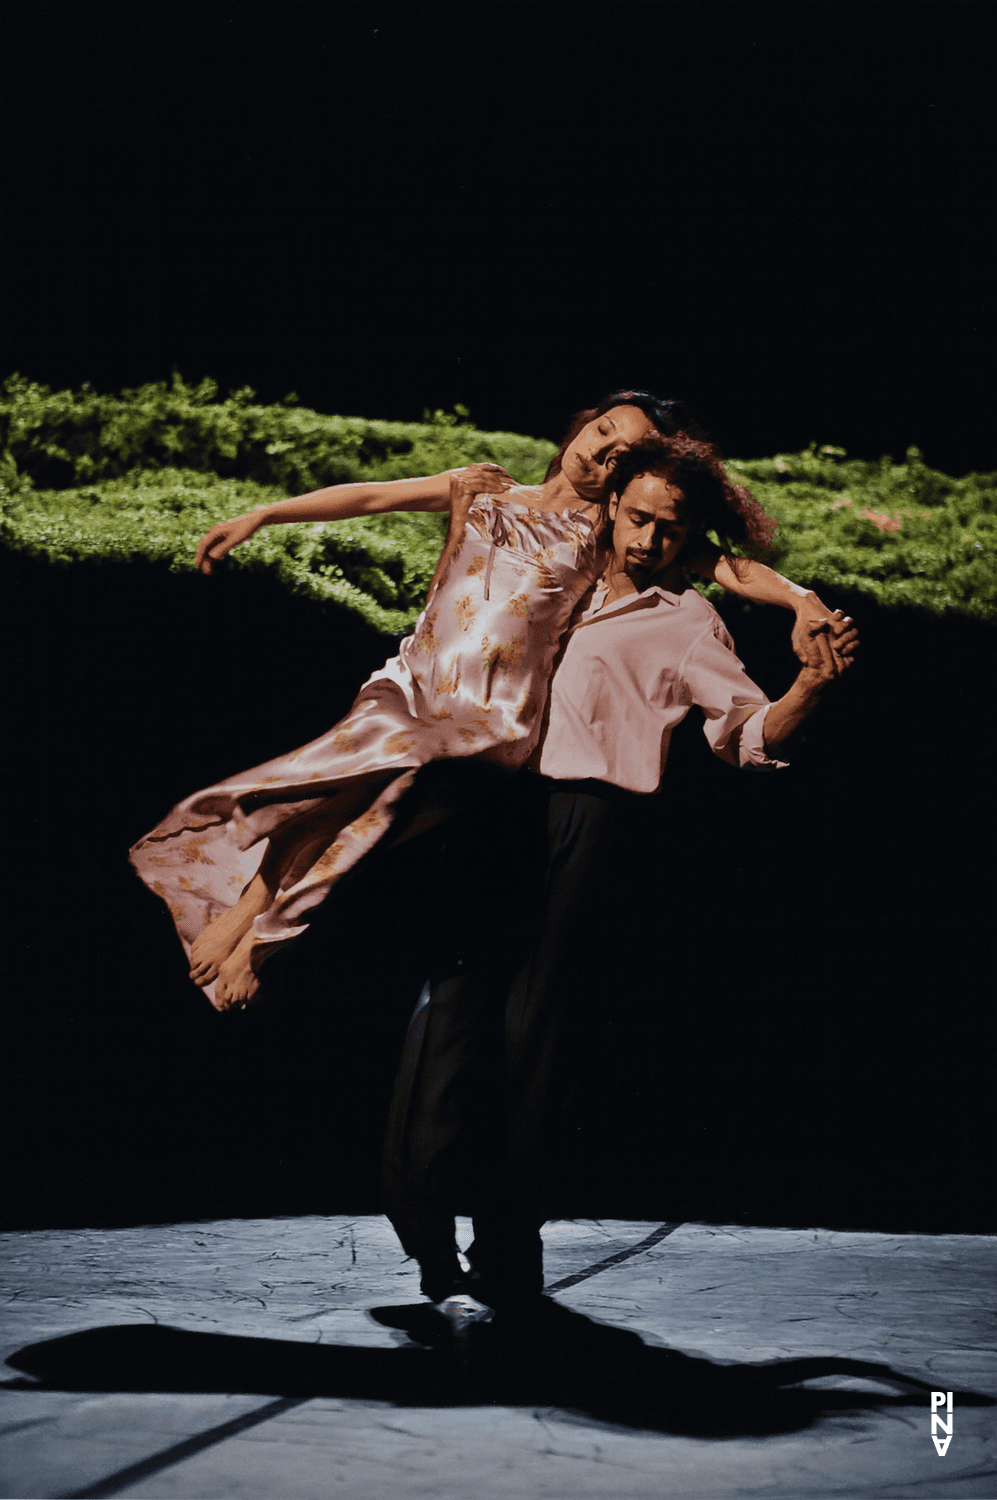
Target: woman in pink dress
[{"x": 242, "y": 863}]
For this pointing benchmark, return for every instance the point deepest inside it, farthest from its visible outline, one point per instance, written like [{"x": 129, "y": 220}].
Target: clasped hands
[{"x": 824, "y": 640}]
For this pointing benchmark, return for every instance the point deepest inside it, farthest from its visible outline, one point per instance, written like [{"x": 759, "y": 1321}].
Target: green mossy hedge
[
  {"x": 379, "y": 566},
  {"x": 146, "y": 473},
  {"x": 61, "y": 439},
  {"x": 902, "y": 534}
]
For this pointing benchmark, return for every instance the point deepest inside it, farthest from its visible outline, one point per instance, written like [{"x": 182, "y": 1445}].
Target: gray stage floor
[{"x": 711, "y": 1304}]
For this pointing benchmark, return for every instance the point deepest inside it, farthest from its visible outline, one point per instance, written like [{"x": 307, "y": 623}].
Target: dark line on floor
[
  {"x": 115, "y": 1483},
  {"x": 662, "y": 1232}
]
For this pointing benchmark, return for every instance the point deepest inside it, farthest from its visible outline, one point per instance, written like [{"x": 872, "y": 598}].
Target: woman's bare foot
[
  {"x": 237, "y": 984},
  {"x": 221, "y": 937}
]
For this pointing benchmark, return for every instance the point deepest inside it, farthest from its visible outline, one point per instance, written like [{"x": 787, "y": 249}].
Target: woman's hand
[
  {"x": 842, "y": 636},
  {"x": 465, "y": 484},
  {"x": 477, "y": 479},
  {"x": 225, "y": 535}
]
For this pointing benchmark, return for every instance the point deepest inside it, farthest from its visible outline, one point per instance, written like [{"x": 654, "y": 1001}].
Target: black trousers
[{"x": 495, "y": 1087}]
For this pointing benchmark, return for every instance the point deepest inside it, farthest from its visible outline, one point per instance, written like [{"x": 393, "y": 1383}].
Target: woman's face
[{"x": 589, "y": 458}]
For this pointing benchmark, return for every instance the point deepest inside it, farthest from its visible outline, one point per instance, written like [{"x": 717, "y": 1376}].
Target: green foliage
[
  {"x": 60, "y": 439},
  {"x": 143, "y": 476},
  {"x": 903, "y": 534},
  {"x": 379, "y": 566}
]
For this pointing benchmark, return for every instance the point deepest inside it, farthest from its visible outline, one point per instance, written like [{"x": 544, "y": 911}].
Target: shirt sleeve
[{"x": 734, "y": 706}]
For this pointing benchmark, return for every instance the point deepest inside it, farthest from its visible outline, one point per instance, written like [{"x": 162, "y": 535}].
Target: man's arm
[
  {"x": 741, "y": 725},
  {"x": 786, "y": 715},
  {"x": 756, "y": 581}
]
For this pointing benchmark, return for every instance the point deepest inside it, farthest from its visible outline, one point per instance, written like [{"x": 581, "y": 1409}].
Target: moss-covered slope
[{"x": 902, "y": 534}]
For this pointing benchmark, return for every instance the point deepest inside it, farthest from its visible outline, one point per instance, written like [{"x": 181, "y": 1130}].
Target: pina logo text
[{"x": 941, "y": 1399}]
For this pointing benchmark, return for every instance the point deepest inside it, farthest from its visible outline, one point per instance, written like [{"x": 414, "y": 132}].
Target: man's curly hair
[{"x": 711, "y": 502}]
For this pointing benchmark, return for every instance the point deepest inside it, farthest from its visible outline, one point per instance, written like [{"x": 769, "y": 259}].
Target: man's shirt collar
[{"x": 591, "y": 614}]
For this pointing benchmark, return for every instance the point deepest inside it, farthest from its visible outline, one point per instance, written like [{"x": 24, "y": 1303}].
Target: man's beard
[{"x": 641, "y": 572}]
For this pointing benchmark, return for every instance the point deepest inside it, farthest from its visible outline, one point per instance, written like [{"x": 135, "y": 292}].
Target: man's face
[{"x": 648, "y": 529}]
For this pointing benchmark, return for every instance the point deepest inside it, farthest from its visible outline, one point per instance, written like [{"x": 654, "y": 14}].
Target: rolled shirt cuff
[{"x": 751, "y": 747}]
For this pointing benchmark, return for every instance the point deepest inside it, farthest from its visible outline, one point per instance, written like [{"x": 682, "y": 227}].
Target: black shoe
[
  {"x": 503, "y": 1291},
  {"x": 421, "y": 1321},
  {"x": 442, "y": 1279},
  {"x": 435, "y": 1327}
]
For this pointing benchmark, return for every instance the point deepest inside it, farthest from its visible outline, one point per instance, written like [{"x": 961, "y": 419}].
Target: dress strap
[{"x": 500, "y": 537}]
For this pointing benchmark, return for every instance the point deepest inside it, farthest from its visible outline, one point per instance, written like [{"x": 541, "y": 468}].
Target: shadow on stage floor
[{"x": 602, "y": 1374}]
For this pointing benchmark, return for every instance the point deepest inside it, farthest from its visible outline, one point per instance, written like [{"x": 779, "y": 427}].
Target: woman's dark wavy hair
[
  {"x": 668, "y": 417},
  {"x": 712, "y": 502}
]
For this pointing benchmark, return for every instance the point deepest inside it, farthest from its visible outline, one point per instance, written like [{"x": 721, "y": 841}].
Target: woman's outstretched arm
[
  {"x": 337, "y": 502},
  {"x": 762, "y": 585},
  {"x": 341, "y": 502}
]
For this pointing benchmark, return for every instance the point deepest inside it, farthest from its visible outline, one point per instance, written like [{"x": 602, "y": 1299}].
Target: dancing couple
[{"x": 560, "y": 633}]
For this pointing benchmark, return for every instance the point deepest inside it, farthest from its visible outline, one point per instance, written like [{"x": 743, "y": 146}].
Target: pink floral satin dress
[{"x": 470, "y": 681}]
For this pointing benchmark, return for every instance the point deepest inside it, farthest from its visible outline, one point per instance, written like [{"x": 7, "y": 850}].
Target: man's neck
[{"x": 621, "y": 584}]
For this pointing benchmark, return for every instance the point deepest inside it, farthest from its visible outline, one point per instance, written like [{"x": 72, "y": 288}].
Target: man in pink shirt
[{"x": 489, "y": 1066}]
